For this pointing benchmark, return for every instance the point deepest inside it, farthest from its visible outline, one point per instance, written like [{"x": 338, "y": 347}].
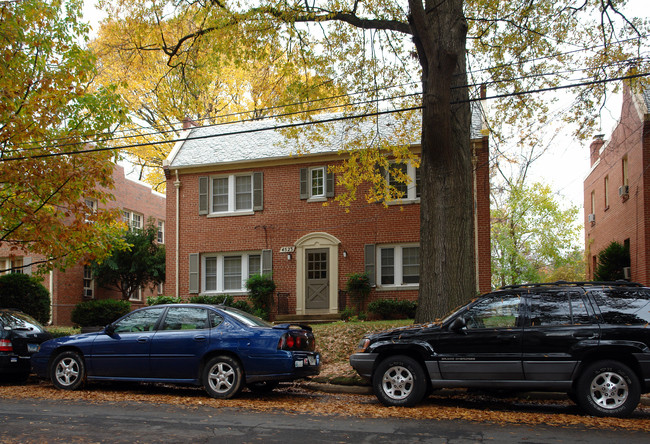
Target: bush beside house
[{"x": 27, "y": 294}]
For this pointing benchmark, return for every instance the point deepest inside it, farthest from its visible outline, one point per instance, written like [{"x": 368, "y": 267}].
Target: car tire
[
  {"x": 68, "y": 371},
  {"x": 222, "y": 377},
  {"x": 608, "y": 388},
  {"x": 399, "y": 381},
  {"x": 262, "y": 387}
]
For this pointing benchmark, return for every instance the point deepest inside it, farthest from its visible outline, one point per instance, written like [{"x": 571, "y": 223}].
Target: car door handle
[
  {"x": 585, "y": 335},
  {"x": 200, "y": 338},
  {"x": 143, "y": 340}
]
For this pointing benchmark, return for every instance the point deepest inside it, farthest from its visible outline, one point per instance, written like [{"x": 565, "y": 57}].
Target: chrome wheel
[
  {"x": 397, "y": 382},
  {"x": 609, "y": 390},
  {"x": 221, "y": 377},
  {"x": 68, "y": 371}
]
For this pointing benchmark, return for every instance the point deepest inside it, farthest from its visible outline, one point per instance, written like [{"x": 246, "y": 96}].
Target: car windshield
[
  {"x": 246, "y": 318},
  {"x": 19, "y": 321}
]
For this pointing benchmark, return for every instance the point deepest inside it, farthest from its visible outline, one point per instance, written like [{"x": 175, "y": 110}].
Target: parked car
[
  {"x": 20, "y": 337},
  {"x": 591, "y": 340},
  {"x": 218, "y": 347}
]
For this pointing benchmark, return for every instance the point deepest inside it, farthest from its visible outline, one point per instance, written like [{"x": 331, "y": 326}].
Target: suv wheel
[
  {"x": 68, "y": 371},
  {"x": 608, "y": 388},
  {"x": 399, "y": 381}
]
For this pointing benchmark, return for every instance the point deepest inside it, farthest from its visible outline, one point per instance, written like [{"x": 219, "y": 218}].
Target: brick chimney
[
  {"x": 187, "y": 123},
  {"x": 594, "y": 148}
]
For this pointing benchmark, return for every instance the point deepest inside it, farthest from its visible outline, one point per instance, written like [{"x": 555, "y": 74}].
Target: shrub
[
  {"x": 393, "y": 309},
  {"x": 99, "y": 312},
  {"x": 27, "y": 294},
  {"x": 59, "y": 332},
  {"x": 347, "y": 313},
  {"x": 223, "y": 299},
  {"x": 158, "y": 300},
  {"x": 611, "y": 262},
  {"x": 358, "y": 285},
  {"x": 260, "y": 292}
]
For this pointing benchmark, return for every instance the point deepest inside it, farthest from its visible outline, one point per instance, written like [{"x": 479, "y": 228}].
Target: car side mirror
[
  {"x": 109, "y": 329},
  {"x": 458, "y": 324}
]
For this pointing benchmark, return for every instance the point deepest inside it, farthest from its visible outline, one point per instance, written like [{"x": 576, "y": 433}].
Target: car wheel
[
  {"x": 222, "y": 377},
  {"x": 608, "y": 388},
  {"x": 68, "y": 371},
  {"x": 262, "y": 386},
  {"x": 399, "y": 381}
]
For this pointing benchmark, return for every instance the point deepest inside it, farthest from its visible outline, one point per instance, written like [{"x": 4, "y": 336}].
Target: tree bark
[{"x": 447, "y": 264}]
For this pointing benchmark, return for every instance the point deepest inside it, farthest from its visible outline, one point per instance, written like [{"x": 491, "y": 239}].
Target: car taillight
[
  {"x": 297, "y": 340},
  {"x": 5, "y": 345}
]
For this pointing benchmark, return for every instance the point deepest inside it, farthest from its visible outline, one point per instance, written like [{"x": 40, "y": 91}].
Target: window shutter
[
  {"x": 258, "y": 191},
  {"x": 304, "y": 189},
  {"x": 369, "y": 261},
  {"x": 203, "y": 195},
  {"x": 267, "y": 261},
  {"x": 27, "y": 265},
  {"x": 329, "y": 184},
  {"x": 194, "y": 273}
]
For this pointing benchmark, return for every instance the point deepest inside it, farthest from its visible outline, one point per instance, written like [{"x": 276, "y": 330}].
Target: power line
[{"x": 330, "y": 120}]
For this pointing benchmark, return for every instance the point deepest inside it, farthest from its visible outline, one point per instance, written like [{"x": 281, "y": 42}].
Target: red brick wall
[
  {"x": 286, "y": 218},
  {"x": 625, "y": 218},
  {"x": 66, "y": 287}
]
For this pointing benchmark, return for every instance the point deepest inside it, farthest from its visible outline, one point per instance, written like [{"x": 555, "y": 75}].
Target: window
[
  {"x": 18, "y": 265},
  {"x": 624, "y": 307},
  {"x": 606, "y": 192},
  {"x": 396, "y": 177},
  {"x": 552, "y": 309},
  {"x": 186, "y": 318},
  {"x": 233, "y": 194},
  {"x": 161, "y": 231},
  {"x": 227, "y": 272},
  {"x": 91, "y": 205},
  {"x": 89, "y": 283},
  {"x": 593, "y": 202},
  {"x": 624, "y": 166},
  {"x": 316, "y": 183},
  {"x": 136, "y": 295},
  {"x": 399, "y": 265},
  {"x": 133, "y": 220},
  {"x": 139, "y": 321},
  {"x": 495, "y": 311}
]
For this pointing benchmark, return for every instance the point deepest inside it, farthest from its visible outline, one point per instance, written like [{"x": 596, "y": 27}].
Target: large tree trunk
[{"x": 447, "y": 265}]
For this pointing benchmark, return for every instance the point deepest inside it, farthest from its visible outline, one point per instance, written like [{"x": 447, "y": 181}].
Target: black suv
[{"x": 590, "y": 339}]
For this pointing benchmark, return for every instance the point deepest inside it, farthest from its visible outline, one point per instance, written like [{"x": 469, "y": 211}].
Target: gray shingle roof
[{"x": 265, "y": 139}]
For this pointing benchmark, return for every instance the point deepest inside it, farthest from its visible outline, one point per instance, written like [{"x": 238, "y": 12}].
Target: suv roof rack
[{"x": 619, "y": 283}]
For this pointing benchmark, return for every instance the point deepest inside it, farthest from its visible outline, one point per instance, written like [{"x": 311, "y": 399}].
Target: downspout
[
  {"x": 476, "y": 239},
  {"x": 177, "y": 185}
]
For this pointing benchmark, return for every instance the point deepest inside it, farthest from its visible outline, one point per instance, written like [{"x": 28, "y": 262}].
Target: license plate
[{"x": 32, "y": 348}]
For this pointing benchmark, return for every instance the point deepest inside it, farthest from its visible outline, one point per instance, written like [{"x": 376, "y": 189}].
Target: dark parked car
[
  {"x": 218, "y": 347},
  {"x": 20, "y": 338},
  {"x": 591, "y": 340}
]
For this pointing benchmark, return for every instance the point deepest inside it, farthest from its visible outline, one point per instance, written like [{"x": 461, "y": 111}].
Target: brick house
[
  {"x": 617, "y": 189},
  {"x": 67, "y": 288},
  {"x": 240, "y": 203}
]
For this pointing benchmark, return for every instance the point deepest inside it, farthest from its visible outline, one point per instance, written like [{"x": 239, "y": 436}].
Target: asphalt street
[{"x": 45, "y": 421}]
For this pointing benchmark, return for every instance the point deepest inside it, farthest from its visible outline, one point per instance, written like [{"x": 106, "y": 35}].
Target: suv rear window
[{"x": 623, "y": 307}]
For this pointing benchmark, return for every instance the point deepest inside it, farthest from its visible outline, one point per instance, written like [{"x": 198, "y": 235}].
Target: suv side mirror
[{"x": 458, "y": 324}]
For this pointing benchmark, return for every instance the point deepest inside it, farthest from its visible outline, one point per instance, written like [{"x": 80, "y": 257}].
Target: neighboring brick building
[
  {"x": 67, "y": 288},
  {"x": 617, "y": 190},
  {"x": 241, "y": 203}
]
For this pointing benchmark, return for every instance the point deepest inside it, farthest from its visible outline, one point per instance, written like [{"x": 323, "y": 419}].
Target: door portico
[{"x": 317, "y": 274}]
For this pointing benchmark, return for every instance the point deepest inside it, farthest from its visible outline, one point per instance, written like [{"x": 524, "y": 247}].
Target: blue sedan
[{"x": 218, "y": 347}]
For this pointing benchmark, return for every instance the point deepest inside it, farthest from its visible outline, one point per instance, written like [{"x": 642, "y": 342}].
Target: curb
[{"x": 367, "y": 390}]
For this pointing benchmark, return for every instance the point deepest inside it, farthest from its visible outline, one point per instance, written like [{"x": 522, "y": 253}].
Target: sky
[{"x": 566, "y": 164}]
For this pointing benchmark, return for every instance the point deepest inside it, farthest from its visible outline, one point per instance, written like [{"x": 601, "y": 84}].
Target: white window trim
[
  {"x": 317, "y": 197},
  {"x": 92, "y": 283},
  {"x": 232, "y": 195},
  {"x": 160, "y": 237},
  {"x": 137, "y": 297},
  {"x": 411, "y": 190},
  {"x": 220, "y": 272},
  {"x": 397, "y": 268},
  {"x": 130, "y": 224}
]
